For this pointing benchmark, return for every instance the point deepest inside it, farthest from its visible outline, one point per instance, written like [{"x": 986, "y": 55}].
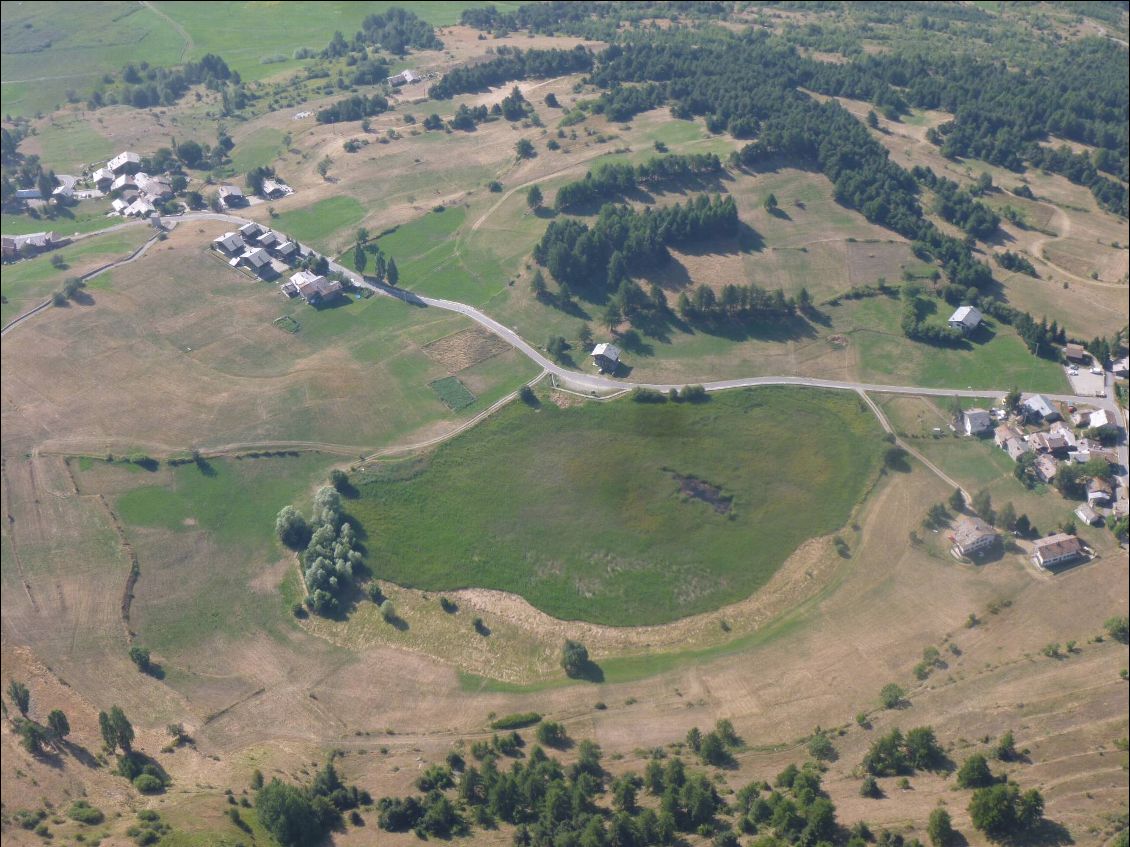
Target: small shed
[{"x": 606, "y": 357}]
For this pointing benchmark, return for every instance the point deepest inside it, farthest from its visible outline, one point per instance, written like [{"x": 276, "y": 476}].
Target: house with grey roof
[
  {"x": 966, "y": 318},
  {"x": 977, "y": 421},
  {"x": 125, "y": 162},
  {"x": 606, "y": 357},
  {"x": 971, "y": 536},
  {"x": 1040, "y": 408}
]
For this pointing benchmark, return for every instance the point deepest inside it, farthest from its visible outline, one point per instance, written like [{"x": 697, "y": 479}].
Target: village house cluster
[
  {"x": 1045, "y": 438},
  {"x": 269, "y": 255}
]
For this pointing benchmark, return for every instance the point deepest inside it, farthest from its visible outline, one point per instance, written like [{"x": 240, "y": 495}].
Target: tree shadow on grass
[
  {"x": 1047, "y": 833},
  {"x": 81, "y": 754},
  {"x": 589, "y": 671}
]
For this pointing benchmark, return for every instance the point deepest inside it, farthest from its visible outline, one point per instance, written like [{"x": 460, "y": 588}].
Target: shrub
[
  {"x": 83, "y": 812},
  {"x": 974, "y": 772},
  {"x": 516, "y": 720},
  {"x": 892, "y": 696},
  {"x": 574, "y": 658},
  {"x": 388, "y": 611},
  {"x": 147, "y": 783}
]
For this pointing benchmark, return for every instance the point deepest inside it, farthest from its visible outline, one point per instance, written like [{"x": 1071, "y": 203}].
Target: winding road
[{"x": 598, "y": 384}]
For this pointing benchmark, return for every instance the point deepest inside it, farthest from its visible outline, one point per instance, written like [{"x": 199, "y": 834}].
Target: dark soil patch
[{"x": 700, "y": 489}]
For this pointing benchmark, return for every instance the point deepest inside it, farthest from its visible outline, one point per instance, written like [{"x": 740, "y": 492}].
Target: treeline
[
  {"x": 328, "y": 550},
  {"x": 394, "y": 30},
  {"x": 738, "y": 303},
  {"x": 143, "y": 86},
  {"x": 615, "y": 179},
  {"x": 581, "y": 257},
  {"x": 353, "y": 109},
  {"x": 511, "y": 65},
  {"x": 599, "y": 20}
]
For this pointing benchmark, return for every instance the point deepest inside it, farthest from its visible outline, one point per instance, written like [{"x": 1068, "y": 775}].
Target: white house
[
  {"x": 125, "y": 162},
  {"x": 312, "y": 287},
  {"x": 1087, "y": 515},
  {"x": 971, "y": 536},
  {"x": 102, "y": 178},
  {"x": 273, "y": 189},
  {"x": 977, "y": 421},
  {"x": 1101, "y": 419},
  {"x": 966, "y": 318}
]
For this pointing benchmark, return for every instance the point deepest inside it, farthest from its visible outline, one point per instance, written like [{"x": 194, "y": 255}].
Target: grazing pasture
[{"x": 587, "y": 511}]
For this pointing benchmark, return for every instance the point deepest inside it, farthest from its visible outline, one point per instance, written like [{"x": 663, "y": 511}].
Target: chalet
[
  {"x": 1040, "y": 408},
  {"x": 1057, "y": 549},
  {"x": 972, "y": 536},
  {"x": 1099, "y": 492},
  {"x": 1046, "y": 467},
  {"x": 606, "y": 357},
  {"x": 274, "y": 190},
  {"x": 15, "y": 246},
  {"x": 313, "y": 287},
  {"x": 966, "y": 318},
  {"x": 257, "y": 259},
  {"x": 1005, "y": 433},
  {"x": 250, "y": 231},
  {"x": 285, "y": 250},
  {"x": 152, "y": 187},
  {"x": 1101, "y": 419},
  {"x": 120, "y": 204},
  {"x": 64, "y": 194},
  {"x": 1076, "y": 353},
  {"x": 231, "y": 197},
  {"x": 977, "y": 421},
  {"x": 1087, "y": 515},
  {"x": 102, "y": 179},
  {"x": 125, "y": 162},
  {"x": 230, "y": 243},
  {"x": 1016, "y": 447}
]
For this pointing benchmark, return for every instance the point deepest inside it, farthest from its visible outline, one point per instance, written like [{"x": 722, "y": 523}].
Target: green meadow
[{"x": 622, "y": 513}]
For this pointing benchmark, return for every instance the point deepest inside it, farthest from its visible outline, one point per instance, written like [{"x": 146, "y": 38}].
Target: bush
[
  {"x": 892, "y": 696},
  {"x": 388, "y": 611},
  {"x": 516, "y": 721},
  {"x": 574, "y": 658},
  {"x": 974, "y": 773},
  {"x": 1118, "y": 628},
  {"x": 870, "y": 788},
  {"x": 83, "y": 812},
  {"x": 147, "y": 783},
  {"x": 552, "y": 734}
]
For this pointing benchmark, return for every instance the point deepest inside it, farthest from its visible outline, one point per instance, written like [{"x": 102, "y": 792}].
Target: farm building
[
  {"x": 606, "y": 357},
  {"x": 1040, "y": 408},
  {"x": 152, "y": 187},
  {"x": 1099, "y": 492},
  {"x": 1048, "y": 442},
  {"x": 977, "y": 421},
  {"x": 125, "y": 162},
  {"x": 1005, "y": 433},
  {"x": 972, "y": 536},
  {"x": 230, "y": 243},
  {"x": 1076, "y": 353},
  {"x": 15, "y": 246},
  {"x": 123, "y": 182},
  {"x": 966, "y": 318},
  {"x": 231, "y": 197},
  {"x": 1087, "y": 515},
  {"x": 1046, "y": 467},
  {"x": 403, "y": 78},
  {"x": 1057, "y": 549}
]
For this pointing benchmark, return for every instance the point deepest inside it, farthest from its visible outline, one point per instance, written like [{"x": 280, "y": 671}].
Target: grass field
[
  {"x": 588, "y": 512},
  {"x": 87, "y": 216},
  {"x": 30, "y": 282},
  {"x": 316, "y": 223}
]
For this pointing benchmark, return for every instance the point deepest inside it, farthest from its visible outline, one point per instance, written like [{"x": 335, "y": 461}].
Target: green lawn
[
  {"x": 257, "y": 149},
  {"x": 316, "y": 223},
  {"x": 582, "y": 510}
]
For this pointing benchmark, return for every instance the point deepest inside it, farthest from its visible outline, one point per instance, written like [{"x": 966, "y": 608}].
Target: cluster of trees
[
  {"x": 352, "y": 108},
  {"x": 514, "y": 106},
  {"x": 143, "y": 86},
  {"x": 957, "y": 205},
  {"x": 594, "y": 19},
  {"x": 1015, "y": 262},
  {"x": 21, "y": 170},
  {"x": 384, "y": 270},
  {"x": 916, "y": 309},
  {"x": 715, "y": 747},
  {"x": 329, "y": 549},
  {"x": 615, "y": 179},
  {"x": 512, "y": 64},
  {"x": 34, "y": 736},
  {"x": 896, "y": 753},
  {"x": 394, "y": 30},
  {"x": 598, "y": 258},
  {"x": 301, "y": 816}
]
